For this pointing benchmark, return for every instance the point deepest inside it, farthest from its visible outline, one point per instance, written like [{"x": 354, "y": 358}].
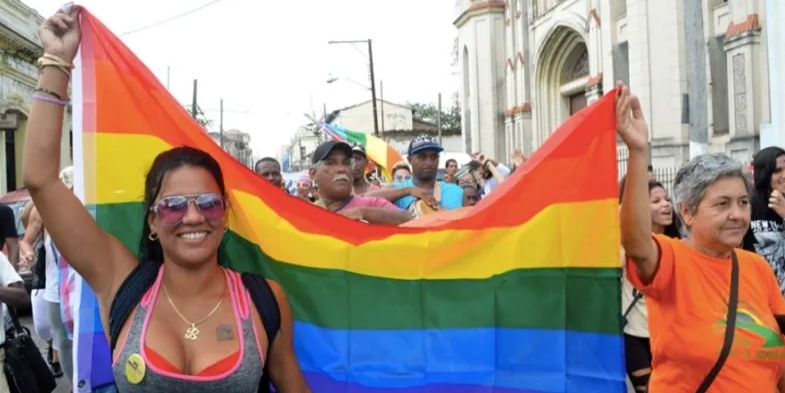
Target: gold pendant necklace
[{"x": 192, "y": 332}]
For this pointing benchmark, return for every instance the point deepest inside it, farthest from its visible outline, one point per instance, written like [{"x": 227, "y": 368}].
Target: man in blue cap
[{"x": 422, "y": 193}]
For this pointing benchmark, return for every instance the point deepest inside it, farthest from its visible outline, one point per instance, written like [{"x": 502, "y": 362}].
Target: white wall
[
  {"x": 452, "y": 143},
  {"x": 360, "y": 117}
]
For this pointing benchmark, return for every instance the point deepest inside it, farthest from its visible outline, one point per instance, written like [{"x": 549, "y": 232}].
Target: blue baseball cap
[{"x": 424, "y": 142}]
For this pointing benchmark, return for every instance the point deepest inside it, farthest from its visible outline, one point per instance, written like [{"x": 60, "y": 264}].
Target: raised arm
[
  {"x": 635, "y": 212},
  {"x": 491, "y": 166},
  {"x": 99, "y": 258}
]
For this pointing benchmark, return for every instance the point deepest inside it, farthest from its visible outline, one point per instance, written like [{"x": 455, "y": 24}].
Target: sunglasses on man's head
[
  {"x": 171, "y": 210},
  {"x": 402, "y": 178}
]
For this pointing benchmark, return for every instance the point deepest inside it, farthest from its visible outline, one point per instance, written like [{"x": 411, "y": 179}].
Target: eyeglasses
[
  {"x": 172, "y": 209},
  {"x": 402, "y": 178}
]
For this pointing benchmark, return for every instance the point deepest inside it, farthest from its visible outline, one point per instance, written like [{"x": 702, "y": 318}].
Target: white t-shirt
[
  {"x": 492, "y": 183},
  {"x": 638, "y": 318},
  {"x": 8, "y": 275},
  {"x": 51, "y": 292}
]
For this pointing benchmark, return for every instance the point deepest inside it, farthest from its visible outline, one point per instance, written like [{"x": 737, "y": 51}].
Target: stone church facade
[{"x": 705, "y": 71}]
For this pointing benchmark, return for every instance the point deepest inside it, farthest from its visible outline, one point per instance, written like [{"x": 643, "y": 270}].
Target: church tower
[{"x": 481, "y": 56}]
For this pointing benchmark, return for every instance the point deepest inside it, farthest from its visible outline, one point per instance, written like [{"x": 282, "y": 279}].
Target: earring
[{"x": 152, "y": 236}]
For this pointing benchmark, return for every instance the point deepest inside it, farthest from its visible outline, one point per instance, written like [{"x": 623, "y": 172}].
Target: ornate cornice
[
  {"x": 481, "y": 8},
  {"x": 17, "y": 45},
  {"x": 751, "y": 24}
]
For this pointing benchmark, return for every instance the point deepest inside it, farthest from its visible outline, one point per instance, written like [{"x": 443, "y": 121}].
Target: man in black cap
[
  {"x": 361, "y": 185},
  {"x": 332, "y": 172}
]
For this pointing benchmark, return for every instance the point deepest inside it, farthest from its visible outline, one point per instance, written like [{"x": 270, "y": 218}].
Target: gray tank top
[{"x": 132, "y": 377}]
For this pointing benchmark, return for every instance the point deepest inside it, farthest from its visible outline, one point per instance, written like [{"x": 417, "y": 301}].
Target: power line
[
  {"x": 365, "y": 55},
  {"x": 191, "y": 11}
]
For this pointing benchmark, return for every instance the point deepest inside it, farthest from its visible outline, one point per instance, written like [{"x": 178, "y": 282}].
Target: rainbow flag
[
  {"x": 518, "y": 295},
  {"x": 377, "y": 150}
]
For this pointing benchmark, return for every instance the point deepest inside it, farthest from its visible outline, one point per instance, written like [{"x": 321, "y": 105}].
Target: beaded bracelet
[
  {"x": 46, "y": 98},
  {"x": 48, "y": 92}
]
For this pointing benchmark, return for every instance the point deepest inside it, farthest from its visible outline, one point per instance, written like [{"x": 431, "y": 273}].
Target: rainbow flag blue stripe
[{"x": 518, "y": 294}]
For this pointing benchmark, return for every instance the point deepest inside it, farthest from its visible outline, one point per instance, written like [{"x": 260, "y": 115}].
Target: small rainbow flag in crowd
[
  {"x": 519, "y": 295},
  {"x": 376, "y": 149}
]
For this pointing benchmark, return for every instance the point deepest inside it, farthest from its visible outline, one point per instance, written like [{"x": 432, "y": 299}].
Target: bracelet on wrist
[
  {"x": 46, "y": 98},
  {"x": 50, "y": 60},
  {"x": 48, "y": 92}
]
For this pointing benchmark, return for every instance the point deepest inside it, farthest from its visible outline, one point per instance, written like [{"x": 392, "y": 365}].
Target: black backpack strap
[
  {"x": 129, "y": 295},
  {"x": 267, "y": 306},
  {"x": 730, "y": 325},
  {"x": 636, "y": 297}
]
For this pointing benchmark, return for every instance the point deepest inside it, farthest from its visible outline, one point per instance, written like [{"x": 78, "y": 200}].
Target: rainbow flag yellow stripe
[{"x": 519, "y": 294}]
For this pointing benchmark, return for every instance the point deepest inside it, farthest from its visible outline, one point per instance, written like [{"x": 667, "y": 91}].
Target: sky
[{"x": 270, "y": 61}]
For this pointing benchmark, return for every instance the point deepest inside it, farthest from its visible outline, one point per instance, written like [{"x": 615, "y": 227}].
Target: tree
[
  {"x": 201, "y": 118},
  {"x": 451, "y": 120}
]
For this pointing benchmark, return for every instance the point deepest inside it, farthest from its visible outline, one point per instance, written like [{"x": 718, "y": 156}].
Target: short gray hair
[{"x": 702, "y": 171}]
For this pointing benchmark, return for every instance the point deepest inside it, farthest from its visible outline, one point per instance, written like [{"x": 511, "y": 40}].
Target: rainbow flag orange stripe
[{"x": 520, "y": 294}]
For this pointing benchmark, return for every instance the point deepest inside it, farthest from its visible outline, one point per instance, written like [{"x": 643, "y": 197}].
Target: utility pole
[
  {"x": 193, "y": 104},
  {"x": 373, "y": 90},
  {"x": 381, "y": 93},
  {"x": 439, "y": 118},
  {"x": 221, "y": 124},
  {"x": 373, "y": 80},
  {"x": 694, "y": 111}
]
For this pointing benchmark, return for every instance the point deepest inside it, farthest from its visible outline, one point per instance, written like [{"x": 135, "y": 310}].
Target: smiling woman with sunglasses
[{"x": 195, "y": 329}]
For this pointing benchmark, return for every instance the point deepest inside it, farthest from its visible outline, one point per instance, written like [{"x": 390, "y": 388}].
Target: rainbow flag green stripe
[
  {"x": 322, "y": 296},
  {"x": 518, "y": 295}
]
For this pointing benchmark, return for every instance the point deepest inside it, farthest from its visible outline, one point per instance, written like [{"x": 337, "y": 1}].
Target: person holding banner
[
  {"x": 206, "y": 336},
  {"x": 713, "y": 308}
]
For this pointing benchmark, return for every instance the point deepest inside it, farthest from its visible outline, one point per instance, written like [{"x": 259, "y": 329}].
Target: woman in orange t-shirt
[{"x": 687, "y": 282}]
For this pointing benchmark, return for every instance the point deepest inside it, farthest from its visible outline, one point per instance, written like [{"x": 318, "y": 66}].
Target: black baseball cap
[
  {"x": 358, "y": 148},
  {"x": 324, "y": 150},
  {"x": 424, "y": 142}
]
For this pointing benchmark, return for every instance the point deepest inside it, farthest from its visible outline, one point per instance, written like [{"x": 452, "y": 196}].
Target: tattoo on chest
[{"x": 224, "y": 332}]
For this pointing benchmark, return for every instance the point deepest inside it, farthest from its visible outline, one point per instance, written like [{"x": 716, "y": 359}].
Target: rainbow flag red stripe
[{"x": 519, "y": 294}]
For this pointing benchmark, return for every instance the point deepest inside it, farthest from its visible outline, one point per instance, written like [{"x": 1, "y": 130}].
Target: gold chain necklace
[{"x": 192, "y": 332}]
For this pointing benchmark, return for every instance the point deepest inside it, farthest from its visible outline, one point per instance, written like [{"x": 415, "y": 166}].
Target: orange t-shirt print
[{"x": 687, "y": 305}]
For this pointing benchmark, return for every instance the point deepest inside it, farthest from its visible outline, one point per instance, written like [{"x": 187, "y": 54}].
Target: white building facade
[
  {"x": 359, "y": 117},
  {"x": 236, "y": 143},
  {"x": 19, "y": 49},
  {"x": 398, "y": 125},
  {"x": 702, "y": 70}
]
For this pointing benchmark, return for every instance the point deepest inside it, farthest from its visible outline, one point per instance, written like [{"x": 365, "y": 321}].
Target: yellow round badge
[{"x": 135, "y": 369}]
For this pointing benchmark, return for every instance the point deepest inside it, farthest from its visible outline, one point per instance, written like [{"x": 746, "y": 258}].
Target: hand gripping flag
[{"x": 519, "y": 294}]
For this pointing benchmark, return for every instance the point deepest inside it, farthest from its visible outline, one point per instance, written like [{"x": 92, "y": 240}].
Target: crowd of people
[
  {"x": 343, "y": 179},
  {"x": 703, "y": 271}
]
